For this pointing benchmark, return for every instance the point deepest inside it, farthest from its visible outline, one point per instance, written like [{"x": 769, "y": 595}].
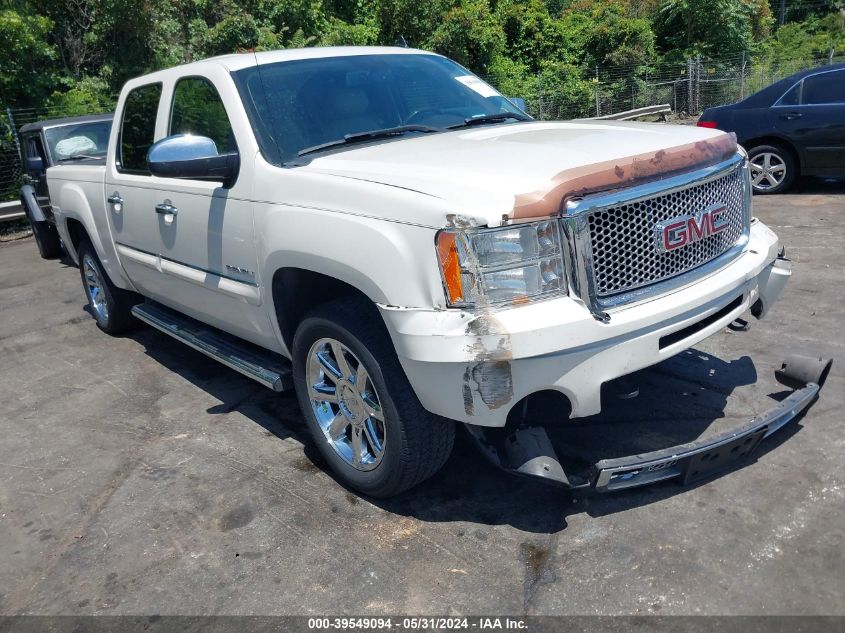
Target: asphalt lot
[{"x": 138, "y": 477}]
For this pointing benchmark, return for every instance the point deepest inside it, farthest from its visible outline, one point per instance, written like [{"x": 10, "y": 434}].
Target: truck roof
[
  {"x": 239, "y": 61},
  {"x": 71, "y": 120}
]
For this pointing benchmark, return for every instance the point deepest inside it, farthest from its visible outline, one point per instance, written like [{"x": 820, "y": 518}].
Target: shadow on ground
[
  {"x": 809, "y": 185},
  {"x": 681, "y": 400}
]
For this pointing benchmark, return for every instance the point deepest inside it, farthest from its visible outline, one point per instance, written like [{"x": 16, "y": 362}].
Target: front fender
[{"x": 390, "y": 262}]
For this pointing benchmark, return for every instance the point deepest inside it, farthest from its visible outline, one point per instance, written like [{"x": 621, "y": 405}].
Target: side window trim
[{"x": 118, "y": 158}]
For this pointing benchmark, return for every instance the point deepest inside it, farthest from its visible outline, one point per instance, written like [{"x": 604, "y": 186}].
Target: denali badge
[{"x": 686, "y": 229}]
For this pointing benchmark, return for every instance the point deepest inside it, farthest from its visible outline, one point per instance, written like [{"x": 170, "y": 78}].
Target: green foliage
[
  {"x": 26, "y": 58},
  {"x": 532, "y": 35},
  {"x": 810, "y": 40},
  {"x": 605, "y": 33},
  {"x": 76, "y": 54},
  {"x": 712, "y": 28},
  {"x": 86, "y": 96},
  {"x": 470, "y": 34}
]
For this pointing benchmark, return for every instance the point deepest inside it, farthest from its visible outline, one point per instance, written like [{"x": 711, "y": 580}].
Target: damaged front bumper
[{"x": 529, "y": 452}]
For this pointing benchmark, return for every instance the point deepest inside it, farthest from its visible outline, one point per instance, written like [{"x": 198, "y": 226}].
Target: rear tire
[
  {"x": 109, "y": 305},
  {"x": 350, "y": 384},
  {"x": 773, "y": 169}
]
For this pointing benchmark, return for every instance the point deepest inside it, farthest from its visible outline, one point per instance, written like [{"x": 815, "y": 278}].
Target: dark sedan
[{"x": 794, "y": 127}]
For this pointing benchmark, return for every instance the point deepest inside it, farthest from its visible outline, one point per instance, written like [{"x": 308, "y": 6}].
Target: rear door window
[
  {"x": 137, "y": 133},
  {"x": 825, "y": 88}
]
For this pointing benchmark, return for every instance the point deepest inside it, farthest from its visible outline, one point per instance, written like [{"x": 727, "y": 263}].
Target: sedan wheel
[
  {"x": 773, "y": 169},
  {"x": 767, "y": 171}
]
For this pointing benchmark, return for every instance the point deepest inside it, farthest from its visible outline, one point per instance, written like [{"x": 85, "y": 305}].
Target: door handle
[
  {"x": 789, "y": 116},
  {"x": 116, "y": 202},
  {"x": 166, "y": 208}
]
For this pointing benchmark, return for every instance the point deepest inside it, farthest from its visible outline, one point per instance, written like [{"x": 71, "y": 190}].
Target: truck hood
[{"x": 497, "y": 173}]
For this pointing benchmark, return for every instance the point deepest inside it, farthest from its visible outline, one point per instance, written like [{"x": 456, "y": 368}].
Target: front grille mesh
[{"x": 623, "y": 243}]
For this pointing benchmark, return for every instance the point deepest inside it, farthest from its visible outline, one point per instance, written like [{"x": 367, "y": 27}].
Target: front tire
[
  {"x": 109, "y": 305},
  {"x": 773, "y": 169},
  {"x": 359, "y": 407}
]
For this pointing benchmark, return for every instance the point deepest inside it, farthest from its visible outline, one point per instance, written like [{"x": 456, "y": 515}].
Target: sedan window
[
  {"x": 792, "y": 96},
  {"x": 825, "y": 88}
]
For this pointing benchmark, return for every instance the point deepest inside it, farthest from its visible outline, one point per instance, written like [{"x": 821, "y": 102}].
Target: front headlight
[{"x": 512, "y": 264}]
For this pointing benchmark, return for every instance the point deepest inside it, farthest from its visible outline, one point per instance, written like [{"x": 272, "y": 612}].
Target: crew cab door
[
  {"x": 190, "y": 243},
  {"x": 817, "y": 125}
]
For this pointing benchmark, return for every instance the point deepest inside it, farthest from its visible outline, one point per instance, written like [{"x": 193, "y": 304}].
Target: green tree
[
  {"x": 27, "y": 59},
  {"x": 532, "y": 35},
  {"x": 470, "y": 34},
  {"x": 605, "y": 34},
  {"x": 798, "y": 44},
  {"x": 712, "y": 28},
  {"x": 412, "y": 19}
]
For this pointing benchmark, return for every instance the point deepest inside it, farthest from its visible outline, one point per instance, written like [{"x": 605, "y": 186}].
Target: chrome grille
[{"x": 623, "y": 243}]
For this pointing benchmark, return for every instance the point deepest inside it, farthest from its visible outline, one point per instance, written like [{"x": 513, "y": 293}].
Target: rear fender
[{"x": 70, "y": 202}]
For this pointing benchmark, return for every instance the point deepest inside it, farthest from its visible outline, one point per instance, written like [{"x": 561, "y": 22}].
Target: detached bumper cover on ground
[{"x": 529, "y": 452}]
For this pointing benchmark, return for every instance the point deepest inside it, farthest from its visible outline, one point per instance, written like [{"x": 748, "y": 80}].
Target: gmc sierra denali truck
[{"x": 384, "y": 232}]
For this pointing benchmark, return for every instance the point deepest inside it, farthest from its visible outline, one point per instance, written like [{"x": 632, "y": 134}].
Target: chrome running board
[{"x": 271, "y": 370}]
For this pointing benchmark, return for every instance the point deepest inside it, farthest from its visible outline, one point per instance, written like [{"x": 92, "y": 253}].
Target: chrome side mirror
[{"x": 192, "y": 158}]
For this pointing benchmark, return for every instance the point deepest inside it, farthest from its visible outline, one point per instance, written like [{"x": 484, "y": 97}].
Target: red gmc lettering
[{"x": 691, "y": 229}]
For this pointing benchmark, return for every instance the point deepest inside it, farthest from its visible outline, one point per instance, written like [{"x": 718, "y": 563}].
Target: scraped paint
[{"x": 616, "y": 174}]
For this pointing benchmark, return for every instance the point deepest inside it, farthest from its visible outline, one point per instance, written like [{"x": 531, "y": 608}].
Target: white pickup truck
[{"x": 384, "y": 232}]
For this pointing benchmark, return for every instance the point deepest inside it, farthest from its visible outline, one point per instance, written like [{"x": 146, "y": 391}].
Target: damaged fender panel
[
  {"x": 635, "y": 170},
  {"x": 488, "y": 380}
]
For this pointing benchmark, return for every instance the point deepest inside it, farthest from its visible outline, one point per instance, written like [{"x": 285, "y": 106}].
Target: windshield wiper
[
  {"x": 360, "y": 137},
  {"x": 490, "y": 118},
  {"x": 80, "y": 157}
]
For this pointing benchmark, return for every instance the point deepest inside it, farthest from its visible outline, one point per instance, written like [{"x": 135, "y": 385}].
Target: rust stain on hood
[{"x": 625, "y": 172}]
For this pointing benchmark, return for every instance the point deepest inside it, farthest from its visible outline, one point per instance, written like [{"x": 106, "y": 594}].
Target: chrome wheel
[
  {"x": 345, "y": 404},
  {"x": 768, "y": 170},
  {"x": 95, "y": 289}
]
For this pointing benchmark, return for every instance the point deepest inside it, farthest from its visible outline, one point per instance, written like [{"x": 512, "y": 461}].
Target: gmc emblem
[{"x": 688, "y": 229}]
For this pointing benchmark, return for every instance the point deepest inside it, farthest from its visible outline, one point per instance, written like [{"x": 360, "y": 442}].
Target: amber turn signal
[{"x": 450, "y": 265}]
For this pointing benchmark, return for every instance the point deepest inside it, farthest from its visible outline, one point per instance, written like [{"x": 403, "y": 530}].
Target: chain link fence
[
  {"x": 688, "y": 86},
  {"x": 10, "y": 163}
]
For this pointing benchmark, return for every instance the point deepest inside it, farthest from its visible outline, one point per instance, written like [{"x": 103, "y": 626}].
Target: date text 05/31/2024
[{"x": 415, "y": 624}]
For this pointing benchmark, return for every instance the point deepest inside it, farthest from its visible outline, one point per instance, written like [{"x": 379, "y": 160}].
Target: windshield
[
  {"x": 80, "y": 140},
  {"x": 302, "y": 104}
]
